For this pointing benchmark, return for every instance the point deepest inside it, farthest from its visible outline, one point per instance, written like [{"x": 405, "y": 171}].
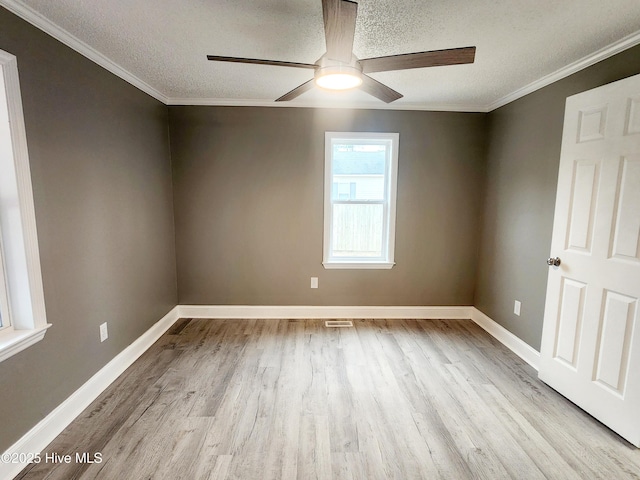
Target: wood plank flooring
[{"x": 291, "y": 399}]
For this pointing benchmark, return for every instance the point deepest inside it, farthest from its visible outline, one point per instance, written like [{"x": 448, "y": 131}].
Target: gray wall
[
  {"x": 101, "y": 176},
  {"x": 522, "y": 169},
  {"x": 247, "y": 194},
  {"x": 248, "y": 188}
]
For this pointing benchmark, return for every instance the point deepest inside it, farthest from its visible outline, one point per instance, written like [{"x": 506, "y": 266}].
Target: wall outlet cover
[
  {"x": 314, "y": 282},
  {"x": 516, "y": 307},
  {"x": 104, "y": 333}
]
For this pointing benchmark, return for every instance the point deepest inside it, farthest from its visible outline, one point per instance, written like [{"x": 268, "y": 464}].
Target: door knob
[{"x": 553, "y": 262}]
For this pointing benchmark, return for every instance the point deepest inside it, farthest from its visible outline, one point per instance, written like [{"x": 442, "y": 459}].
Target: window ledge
[
  {"x": 15, "y": 341},
  {"x": 359, "y": 265}
]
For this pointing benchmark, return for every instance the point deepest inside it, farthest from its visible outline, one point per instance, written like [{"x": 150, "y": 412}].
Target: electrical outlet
[
  {"x": 314, "y": 282},
  {"x": 104, "y": 333},
  {"x": 516, "y": 307}
]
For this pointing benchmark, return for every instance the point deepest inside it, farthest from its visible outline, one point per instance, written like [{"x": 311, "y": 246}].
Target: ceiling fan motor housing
[{"x": 336, "y": 75}]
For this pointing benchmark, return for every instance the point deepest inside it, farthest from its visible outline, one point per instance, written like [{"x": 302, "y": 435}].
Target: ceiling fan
[{"x": 340, "y": 69}]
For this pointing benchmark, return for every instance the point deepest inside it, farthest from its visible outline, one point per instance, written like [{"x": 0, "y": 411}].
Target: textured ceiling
[{"x": 163, "y": 44}]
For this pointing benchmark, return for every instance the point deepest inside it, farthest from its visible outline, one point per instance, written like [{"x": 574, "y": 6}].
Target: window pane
[
  {"x": 357, "y": 230},
  {"x": 358, "y": 171}
]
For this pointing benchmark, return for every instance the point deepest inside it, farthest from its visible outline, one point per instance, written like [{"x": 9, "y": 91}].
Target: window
[
  {"x": 22, "y": 313},
  {"x": 361, "y": 172}
]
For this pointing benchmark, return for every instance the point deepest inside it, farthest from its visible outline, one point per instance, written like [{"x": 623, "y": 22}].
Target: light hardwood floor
[{"x": 291, "y": 399}]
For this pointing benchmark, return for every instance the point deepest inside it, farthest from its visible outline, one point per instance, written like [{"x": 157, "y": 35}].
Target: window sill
[
  {"x": 359, "y": 265},
  {"x": 14, "y": 341}
]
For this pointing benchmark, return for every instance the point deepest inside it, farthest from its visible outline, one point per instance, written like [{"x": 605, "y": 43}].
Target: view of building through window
[
  {"x": 360, "y": 199},
  {"x": 358, "y": 195}
]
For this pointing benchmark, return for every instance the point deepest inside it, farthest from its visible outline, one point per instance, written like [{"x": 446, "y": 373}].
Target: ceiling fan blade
[
  {"x": 339, "y": 28},
  {"x": 379, "y": 90},
  {"x": 257, "y": 61},
  {"x": 299, "y": 90},
  {"x": 434, "y": 58}
]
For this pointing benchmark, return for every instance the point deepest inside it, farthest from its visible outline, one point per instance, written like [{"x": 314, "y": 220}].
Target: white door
[{"x": 591, "y": 337}]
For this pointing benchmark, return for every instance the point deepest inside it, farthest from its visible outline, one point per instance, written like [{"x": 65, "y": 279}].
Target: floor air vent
[{"x": 338, "y": 323}]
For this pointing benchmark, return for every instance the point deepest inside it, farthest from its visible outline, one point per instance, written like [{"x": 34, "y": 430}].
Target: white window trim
[
  {"x": 23, "y": 274},
  {"x": 392, "y": 186},
  {"x": 5, "y": 315}
]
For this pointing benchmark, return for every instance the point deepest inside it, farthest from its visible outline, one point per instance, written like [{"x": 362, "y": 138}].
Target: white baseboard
[
  {"x": 36, "y": 439},
  {"x": 322, "y": 312},
  {"x": 508, "y": 339},
  {"x": 513, "y": 343}
]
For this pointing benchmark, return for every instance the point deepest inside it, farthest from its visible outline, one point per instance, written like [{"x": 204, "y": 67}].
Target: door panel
[
  {"x": 613, "y": 352},
  {"x": 626, "y": 239},
  {"x": 633, "y": 116},
  {"x": 584, "y": 193},
  {"x": 570, "y": 321},
  {"x": 592, "y": 123}
]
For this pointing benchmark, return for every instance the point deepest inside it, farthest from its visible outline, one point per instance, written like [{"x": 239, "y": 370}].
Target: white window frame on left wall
[{"x": 22, "y": 274}]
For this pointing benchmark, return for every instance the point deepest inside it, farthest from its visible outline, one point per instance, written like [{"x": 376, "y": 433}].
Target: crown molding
[
  {"x": 47, "y": 26},
  {"x": 44, "y": 24},
  {"x": 602, "y": 54}
]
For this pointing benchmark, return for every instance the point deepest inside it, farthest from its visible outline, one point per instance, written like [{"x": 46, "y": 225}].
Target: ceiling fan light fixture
[
  {"x": 339, "y": 69},
  {"x": 338, "y": 77}
]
